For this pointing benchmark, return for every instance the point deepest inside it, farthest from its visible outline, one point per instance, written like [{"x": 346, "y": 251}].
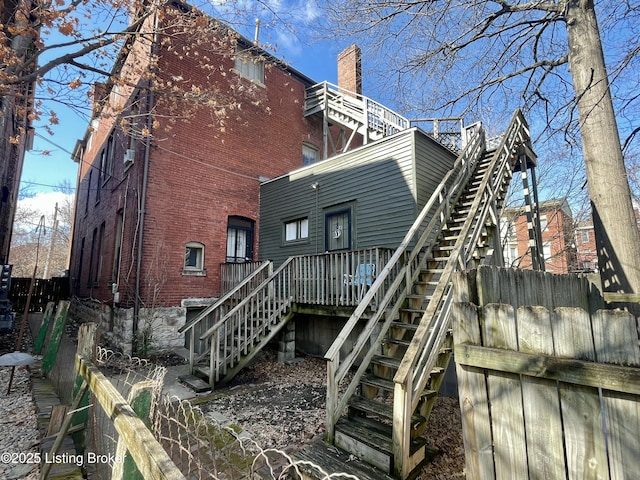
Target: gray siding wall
[
  {"x": 433, "y": 161},
  {"x": 378, "y": 182}
]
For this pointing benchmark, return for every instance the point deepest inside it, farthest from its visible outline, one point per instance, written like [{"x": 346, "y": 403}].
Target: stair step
[
  {"x": 366, "y": 443},
  {"x": 319, "y": 460},
  {"x": 378, "y": 382},
  {"x": 386, "y": 361},
  {"x": 403, "y": 325},
  {"x": 371, "y": 441},
  {"x": 388, "y": 385},
  {"x": 397, "y": 341},
  {"x": 381, "y": 410}
]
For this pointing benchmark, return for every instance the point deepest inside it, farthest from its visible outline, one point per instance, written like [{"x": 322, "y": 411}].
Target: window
[
  {"x": 133, "y": 129},
  {"x": 117, "y": 252},
  {"x": 584, "y": 236},
  {"x": 194, "y": 257},
  {"x": 309, "y": 154},
  {"x": 95, "y": 259},
  {"x": 249, "y": 66},
  {"x": 543, "y": 223},
  {"x": 296, "y": 230},
  {"x": 86, "y": 205},
  {"x": 546, "y": 251},
  {"x": 239, "y": 239},
  {"x": 338, "y": 230},
  {"x": 107, "y": 166},
  {"x": 80, "y": 262}
]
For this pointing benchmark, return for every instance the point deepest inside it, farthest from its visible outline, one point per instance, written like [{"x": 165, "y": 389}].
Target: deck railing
[
  {"x": 232, "y": 274},
  {"x": 211, "y": 314},
  {"x": 337, "y": 278},
  {"x": 355, "y": 107}
]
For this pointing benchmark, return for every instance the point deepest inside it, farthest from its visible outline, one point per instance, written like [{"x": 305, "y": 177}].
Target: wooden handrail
[
  {"x": 438, "y": 206},
  {"x": 193, "y": 322},
  {"x": 410, "y": 366},
  {"x": 245, "y": 300}
]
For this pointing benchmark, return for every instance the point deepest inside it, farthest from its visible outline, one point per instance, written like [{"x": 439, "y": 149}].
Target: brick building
[
  {"x": 16, "y": 110},
  {"x": 585, "y": 241},
  {"x": 557, "y": 227},
  {"x": 157, "y": 215}
]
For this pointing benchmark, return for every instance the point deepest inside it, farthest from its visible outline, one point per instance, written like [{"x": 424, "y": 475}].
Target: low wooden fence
[{"x": 548, "y": 389}]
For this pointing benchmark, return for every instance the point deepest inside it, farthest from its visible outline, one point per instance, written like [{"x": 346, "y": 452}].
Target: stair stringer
[{"x": 403, "y": 272}]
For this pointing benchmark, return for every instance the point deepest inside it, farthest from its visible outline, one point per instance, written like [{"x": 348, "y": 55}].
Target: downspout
[{"x": 143, "y": 198}]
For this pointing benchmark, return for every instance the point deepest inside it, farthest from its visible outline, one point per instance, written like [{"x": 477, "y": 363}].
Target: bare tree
[
  {"x": 63, "y": 49},
  {"x": 546, "y": 56},
  {"x": 50, "y": 246}
]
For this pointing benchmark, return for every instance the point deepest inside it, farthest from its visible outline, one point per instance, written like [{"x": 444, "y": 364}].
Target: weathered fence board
[
  {"x": 472, "y": 388},
  {"x": 505, "y": 397},
  {"x": 542, "y": 414},
  {"x": 584, "y": 435},
  {"x": 546, "y": 392},
  {"x": 615, "y": 334}
]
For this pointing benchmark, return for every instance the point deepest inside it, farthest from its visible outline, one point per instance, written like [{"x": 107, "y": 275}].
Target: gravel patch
[{"x": 19, "y": 441}]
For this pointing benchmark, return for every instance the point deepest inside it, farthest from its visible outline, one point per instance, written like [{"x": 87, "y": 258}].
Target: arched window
[
  {"x": 239, "y": 239},
  {"x": 194, "y": 257}
]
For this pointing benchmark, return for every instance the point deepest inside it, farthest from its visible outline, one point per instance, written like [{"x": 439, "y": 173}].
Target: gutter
[{"x": 143, "y": 200}]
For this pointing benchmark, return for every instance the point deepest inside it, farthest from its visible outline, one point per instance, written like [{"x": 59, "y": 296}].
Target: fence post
[
  {"x": 56, "y": 334},
  {"x": 140, "y": 399},
  {"x": 44, "y": 327},
  {"x": 86, "y": 348}
]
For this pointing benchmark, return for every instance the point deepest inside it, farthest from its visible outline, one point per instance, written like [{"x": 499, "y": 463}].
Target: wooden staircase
[
  {"x": 403, "y": 351},
  {"x": 353, "y": 111},
  {"x": 226, "y": 336}
]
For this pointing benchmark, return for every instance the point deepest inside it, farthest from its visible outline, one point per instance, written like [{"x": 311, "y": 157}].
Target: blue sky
[{"x": 43, "y": 173}]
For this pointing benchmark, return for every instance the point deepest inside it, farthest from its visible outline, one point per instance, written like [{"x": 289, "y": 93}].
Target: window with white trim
[
  {"x": 296, "y": 230},
  {"x": 194, "y": 257},
  {"x": 543, "y": 223},
  {"x": 584, "y": 236}
]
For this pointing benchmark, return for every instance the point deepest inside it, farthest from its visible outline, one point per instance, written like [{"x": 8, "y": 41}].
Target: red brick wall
[
  {"x": 350, "y": 69},
  {"x": 558, "y": 235},
  {"x": 200, "y": 172}
]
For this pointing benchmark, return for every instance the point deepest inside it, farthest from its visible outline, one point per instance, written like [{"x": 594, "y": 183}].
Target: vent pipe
[{"x": 256, "y": 36}]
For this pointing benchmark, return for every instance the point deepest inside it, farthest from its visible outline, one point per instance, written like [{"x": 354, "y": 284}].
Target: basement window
[{"x": 194, "y": 259}]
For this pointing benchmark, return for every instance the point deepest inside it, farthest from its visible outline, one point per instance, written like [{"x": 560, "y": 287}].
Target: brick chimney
[{"x": 350, "y": 69}]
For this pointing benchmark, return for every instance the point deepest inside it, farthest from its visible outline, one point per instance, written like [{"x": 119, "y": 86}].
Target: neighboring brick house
[
  {"x": 587, "y": 254},
  {"x": 157, "y": 216},
  {"x": 557, "y": 226},
  {"x": 586, "y": 250},
  {"x": 16, "y": 111}
]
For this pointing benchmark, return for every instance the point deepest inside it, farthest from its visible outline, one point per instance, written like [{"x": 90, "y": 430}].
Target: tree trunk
[{"x": 616, "y": 233}]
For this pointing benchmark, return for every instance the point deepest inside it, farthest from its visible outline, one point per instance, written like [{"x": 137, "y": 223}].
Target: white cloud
[{"x": 44, "y": 202}]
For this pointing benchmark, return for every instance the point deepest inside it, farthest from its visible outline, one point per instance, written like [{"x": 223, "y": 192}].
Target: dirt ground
[{"x": 283, "y": 407}]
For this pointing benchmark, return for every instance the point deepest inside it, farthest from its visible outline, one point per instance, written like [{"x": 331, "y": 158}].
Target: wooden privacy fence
[
  {"x": 547, "y": 391},
  {"x": 44, "y": 291}
]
